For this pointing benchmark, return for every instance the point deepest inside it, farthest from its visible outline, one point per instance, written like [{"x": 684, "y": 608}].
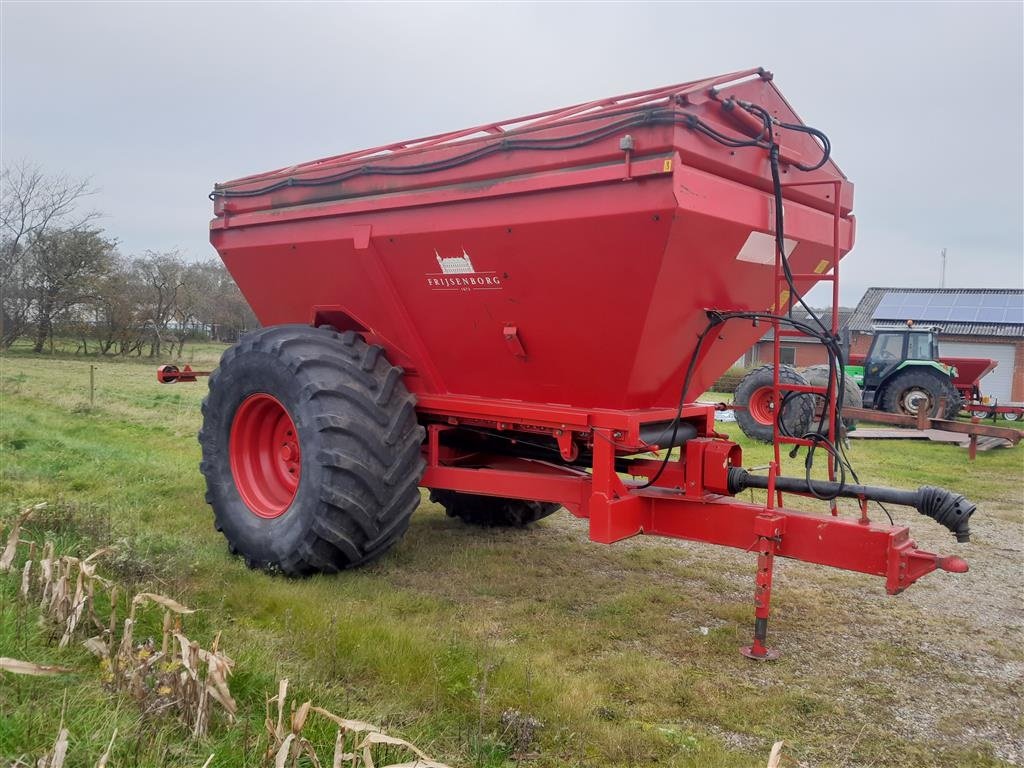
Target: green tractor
[{"x": 901, "y": 373}]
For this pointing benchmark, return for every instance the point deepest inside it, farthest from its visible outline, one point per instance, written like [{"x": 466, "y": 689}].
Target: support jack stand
[{"x": 768, "y": 527}]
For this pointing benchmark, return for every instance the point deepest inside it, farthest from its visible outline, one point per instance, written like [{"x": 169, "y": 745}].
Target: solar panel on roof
[
  {"x": 992, "y": 315},
  {"x": 960, "y": 315},
  {"x": 928, "y": 306},
  {"x": 995, "y": 300}
]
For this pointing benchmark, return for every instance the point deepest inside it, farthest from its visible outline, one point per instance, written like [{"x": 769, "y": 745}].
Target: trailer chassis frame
[{"x": 689, "y": 501}]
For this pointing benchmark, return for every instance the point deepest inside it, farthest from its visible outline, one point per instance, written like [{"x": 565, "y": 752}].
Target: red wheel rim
[
  {"x": 265, "y": 456},
  {"x": 762, "y": 406}
]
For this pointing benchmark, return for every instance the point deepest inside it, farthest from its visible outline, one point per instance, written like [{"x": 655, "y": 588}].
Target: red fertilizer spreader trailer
[
  {"x": 969, "y": 372},
  {"x": 517, "y": 316}
]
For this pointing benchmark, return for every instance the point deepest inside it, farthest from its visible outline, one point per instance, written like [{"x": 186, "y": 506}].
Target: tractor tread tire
[
  {"x": 361, "y": 449},
  {"x": 492, "y": 511},
  {"x": 797, "y": 414},
  {"x": 818, "y": 375},
  {"x": 934, "y": 384}
]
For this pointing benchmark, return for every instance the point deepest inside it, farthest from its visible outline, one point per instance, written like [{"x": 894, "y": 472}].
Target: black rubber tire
[
  {"x": 933, "y": 384},
  {"x": 796, "y": 415},
  {"x": 817, "y": 375},
  {"x": 359, "y": 440},
  {"x": 492, "y": 511}
]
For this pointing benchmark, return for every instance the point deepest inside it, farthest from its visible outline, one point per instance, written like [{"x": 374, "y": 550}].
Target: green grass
[{"x": 602, "y": 644}]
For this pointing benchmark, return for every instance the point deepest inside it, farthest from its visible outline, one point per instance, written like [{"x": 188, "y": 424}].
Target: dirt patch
[{"x": 940, "y": 665}]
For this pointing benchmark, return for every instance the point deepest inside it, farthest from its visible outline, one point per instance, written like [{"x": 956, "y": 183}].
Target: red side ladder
[{"x": 766, "y": 541}]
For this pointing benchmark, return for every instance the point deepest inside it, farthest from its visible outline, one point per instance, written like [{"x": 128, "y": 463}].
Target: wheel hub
[
  {"x": 914, "y": 399},
  {"x": 265, "y": 455},
  {"x": 762, "y": 405}
]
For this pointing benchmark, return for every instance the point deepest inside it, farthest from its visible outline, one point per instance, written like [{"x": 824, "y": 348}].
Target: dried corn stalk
[
  {"x": 287, "y": 747},
  {"x": 7, "y": 557},
  {"x": 18, "y": 667},
  {"x": 178, "y": 677},
  {"x": 181, "y": 678},
  {"x": 105, "y": 757}
]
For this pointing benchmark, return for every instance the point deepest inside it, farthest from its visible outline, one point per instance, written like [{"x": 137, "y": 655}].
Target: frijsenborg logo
[
  {"x": 455, "y": 265},
  {"x": 458, "y": 274}
]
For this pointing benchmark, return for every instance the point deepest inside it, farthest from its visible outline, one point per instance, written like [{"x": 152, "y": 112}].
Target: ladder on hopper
[{"x": 783, "y": 300}]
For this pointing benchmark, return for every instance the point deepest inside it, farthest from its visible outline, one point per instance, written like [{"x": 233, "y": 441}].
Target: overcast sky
[{"x": 155, "y": 102}]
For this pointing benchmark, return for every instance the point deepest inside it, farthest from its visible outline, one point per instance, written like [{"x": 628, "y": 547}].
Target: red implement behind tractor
[
  {"x": 516, "y": 315},
  {"x": 969, "y": 373}
]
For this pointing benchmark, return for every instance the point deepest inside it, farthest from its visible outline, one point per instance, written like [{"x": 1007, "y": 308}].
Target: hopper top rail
[{"x": 605, "y": 106}]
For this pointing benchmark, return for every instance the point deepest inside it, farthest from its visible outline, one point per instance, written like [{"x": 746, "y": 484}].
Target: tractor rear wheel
[
  {"x": 915, "y": 388},
  {"x": 818, "y": 375},
  {"x": 311, "y": 450},
  {"x": 493, "y": 511},
  {"x": 755, "y": 394}
]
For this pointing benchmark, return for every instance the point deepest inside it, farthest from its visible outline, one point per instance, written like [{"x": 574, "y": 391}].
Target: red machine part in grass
[{"x": 546, "y": 285}]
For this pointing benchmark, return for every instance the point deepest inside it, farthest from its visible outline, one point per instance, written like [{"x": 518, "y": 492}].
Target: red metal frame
[
  {"x": 1010, "y": 412},
  {"x": 689, "y": 501}
]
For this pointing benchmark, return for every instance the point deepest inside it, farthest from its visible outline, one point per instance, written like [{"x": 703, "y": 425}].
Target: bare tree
[
  {"x": 31, "y": 204},
  {"x": 117, "y": 326},
  {"x": 59, "y": 275},
  {"x": 226, "y": 311},
  {"x": 66, "y": 268},
  {"x": 162, "y": 276}
]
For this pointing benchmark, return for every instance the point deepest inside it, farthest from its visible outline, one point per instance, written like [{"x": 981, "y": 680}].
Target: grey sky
[{"x": 155, "y": 102}]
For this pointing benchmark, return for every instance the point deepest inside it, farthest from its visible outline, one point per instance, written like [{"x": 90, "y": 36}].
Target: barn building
[
  {"x": 797, "y": 351},
  {"x": 971, "y": 322}
]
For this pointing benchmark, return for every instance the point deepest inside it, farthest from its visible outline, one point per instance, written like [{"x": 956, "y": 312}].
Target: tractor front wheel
[
  {"x": 311, "y": 450},
  {"x": 492, "y": 511},
  {"x": 910, "y": 391}
]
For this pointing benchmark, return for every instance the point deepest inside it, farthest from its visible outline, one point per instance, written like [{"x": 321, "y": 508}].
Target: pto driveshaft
[{"x": 947, "y": 508}]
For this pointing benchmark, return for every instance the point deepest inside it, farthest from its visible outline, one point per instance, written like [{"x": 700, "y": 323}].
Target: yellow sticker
[
  {"x": 667, "y": 166},
  {"x": 783, "y": 298},
  {"x": 822, "y": 266}
]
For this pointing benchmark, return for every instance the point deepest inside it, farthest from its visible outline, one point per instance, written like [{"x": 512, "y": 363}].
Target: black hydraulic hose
[
  {"x": 558, "y": 144},
  {"x": 945, "y": 507},
  {"x": 666, "y": 434}
]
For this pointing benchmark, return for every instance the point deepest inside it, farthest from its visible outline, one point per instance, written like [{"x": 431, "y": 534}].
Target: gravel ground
[{"x": 943, "y": 662}]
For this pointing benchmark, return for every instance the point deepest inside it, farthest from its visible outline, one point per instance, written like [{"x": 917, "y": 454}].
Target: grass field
[{"x": 626, "y": 654}]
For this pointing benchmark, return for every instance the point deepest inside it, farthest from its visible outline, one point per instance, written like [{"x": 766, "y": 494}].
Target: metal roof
[
  {"x": 862, "y": 320},
  {"x": 845, "y": 313}
]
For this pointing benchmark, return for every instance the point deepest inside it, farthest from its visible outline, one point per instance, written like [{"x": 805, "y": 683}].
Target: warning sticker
[{"x": 760, "y": 248}]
